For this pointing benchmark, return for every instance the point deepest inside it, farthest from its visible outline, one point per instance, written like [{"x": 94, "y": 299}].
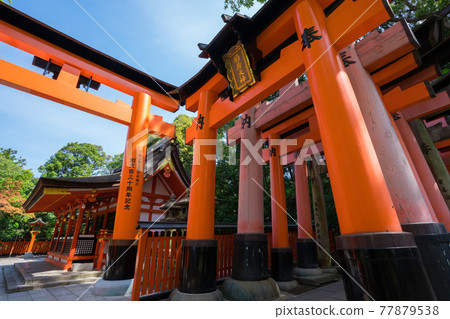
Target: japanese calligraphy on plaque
[{"x": 239, "y": 71}]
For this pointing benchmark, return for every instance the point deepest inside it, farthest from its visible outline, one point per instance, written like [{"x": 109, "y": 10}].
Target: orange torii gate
[
  {"x": 74, "y": 64},
  {"x": 281, "y": 42},
  {"x": 293, "y": 112}
]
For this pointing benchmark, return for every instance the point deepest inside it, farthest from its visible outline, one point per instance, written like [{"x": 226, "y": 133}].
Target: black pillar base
[
  {"x": 198, "y": 266},
  {"x": 120, "y": 259},
  {"x": 282, "y": 264},
  {"x": 387, "y": 265},
  {"x": 433, "y": 242},
  {"x": 250, "y": 257},
  {"x": 306, "y": 253}
]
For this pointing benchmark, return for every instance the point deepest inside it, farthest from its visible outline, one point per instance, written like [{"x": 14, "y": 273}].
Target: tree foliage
[
  {"x": 75, "y": 160},
  {"x": 182, "y": 122},
  {"x": 16, "y": 183},
  {"x": 414, "y": 11},
  {"x": 113, "y": 163},
  {"x": 227, "y": 179},
  {"x": 236, "y": 5}
]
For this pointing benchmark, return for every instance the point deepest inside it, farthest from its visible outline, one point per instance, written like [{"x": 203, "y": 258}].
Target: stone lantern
[{"x": 36, "y": 227}]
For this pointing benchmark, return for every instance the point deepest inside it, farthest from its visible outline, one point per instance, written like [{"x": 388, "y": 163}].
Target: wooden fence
[
  {"x": 158, "y": 261},
  {"x": 20, "y": 247}
]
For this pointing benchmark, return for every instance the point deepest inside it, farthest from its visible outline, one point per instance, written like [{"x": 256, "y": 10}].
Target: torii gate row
[
  {"x": 299, "y": 36},
  {"x": 388, "y": 56},
  {"x": 287, "y": 124},
  {"x": 299, "y": 96},
  {"x": 73, "y": 63},
  {"x": 302, "y": 134},
  {"x": 408, "y": 201},
  {"x": 358, "y": 193},
  {"x": 294, "y": 111},
  {"x": 288, "y": 117}
]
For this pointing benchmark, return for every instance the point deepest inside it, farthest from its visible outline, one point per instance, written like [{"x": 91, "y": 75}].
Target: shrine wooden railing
[
  {"x": 158, "y": 259},
  {"x": 103, "y": 237},
  {"x": 20, "y": 247}
]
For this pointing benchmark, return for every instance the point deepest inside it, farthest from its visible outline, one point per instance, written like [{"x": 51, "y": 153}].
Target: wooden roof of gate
[{"x": 37, "y": 30}]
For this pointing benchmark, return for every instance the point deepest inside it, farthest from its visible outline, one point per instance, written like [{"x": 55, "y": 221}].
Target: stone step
[
  {"x": 15, "y": 283},
  {"x": 48, "y": 276},
  {"x": 12, "y": 277}
]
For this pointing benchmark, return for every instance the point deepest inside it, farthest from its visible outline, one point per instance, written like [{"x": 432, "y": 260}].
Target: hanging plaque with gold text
[{"x": 239, "y": 72}]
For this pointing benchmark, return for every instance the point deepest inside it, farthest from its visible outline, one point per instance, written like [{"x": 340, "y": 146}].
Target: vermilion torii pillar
[
  {"x": 281, "y": 255},
  {"x": 429, "y": 183},
  {"x": 308, "y": 270},
  {"x": 410, "y": 204},
  {"x": 123, "y": 244},
  {"x": 367, "y": 217},
  {"x": 403, "y": 187},
  {"x": 250, "y": 278},
  {"x": 306, "y": 247},
  {"x": 251, "y": 196},
  {"x": 199, "y": 249}
]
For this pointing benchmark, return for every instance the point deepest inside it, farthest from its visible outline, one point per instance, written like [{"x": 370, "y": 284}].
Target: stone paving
[
  {"x": 63, "y": 293},
  {"x": 331, "y": 292}
]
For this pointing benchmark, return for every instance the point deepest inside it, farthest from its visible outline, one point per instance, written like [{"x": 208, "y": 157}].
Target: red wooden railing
[
  {"x": 20, "y": 247},
  {"x": 157, "y": 264},
  {"x": 224, "y": 255},
  {"x": 103, "y": 238},
  {"x": 158, "y": 261}
]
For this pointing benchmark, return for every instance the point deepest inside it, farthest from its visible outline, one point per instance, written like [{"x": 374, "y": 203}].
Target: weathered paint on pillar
[
  {"x": 280, "y": 237},
  {"x": 403, "y": 188},
  {"x": 361, "y": 196},
  {"x": 413, "y": 168},
  {"x": 320, "y": 215},
  {"x": 433, "y": 158},
  {"x": 251, "y": 196},
  {"x": 132, "y": 177},
  {"x": 305, "y": 229},
  {"x": 200, "y": 223},
  {"x": 434, "y": 194}
]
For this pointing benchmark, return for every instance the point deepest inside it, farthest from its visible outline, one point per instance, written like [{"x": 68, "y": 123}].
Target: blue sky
[{"x": 161, "y": 35}]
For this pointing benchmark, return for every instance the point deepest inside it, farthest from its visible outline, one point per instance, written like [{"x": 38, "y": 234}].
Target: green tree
[
  {"x": 113, "y": 163},
  {"x": 227, "y": 176},
  {"x": 414, "y": 11},
  {"x": 236, "y": 5},
  {"x": 16, "y": 183},
  {"x": 75, "y": 160},
  {"x": 227, "y": 179},
  {"x": 47, "y": 230},
  {"x": 182, "y": 122}
]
